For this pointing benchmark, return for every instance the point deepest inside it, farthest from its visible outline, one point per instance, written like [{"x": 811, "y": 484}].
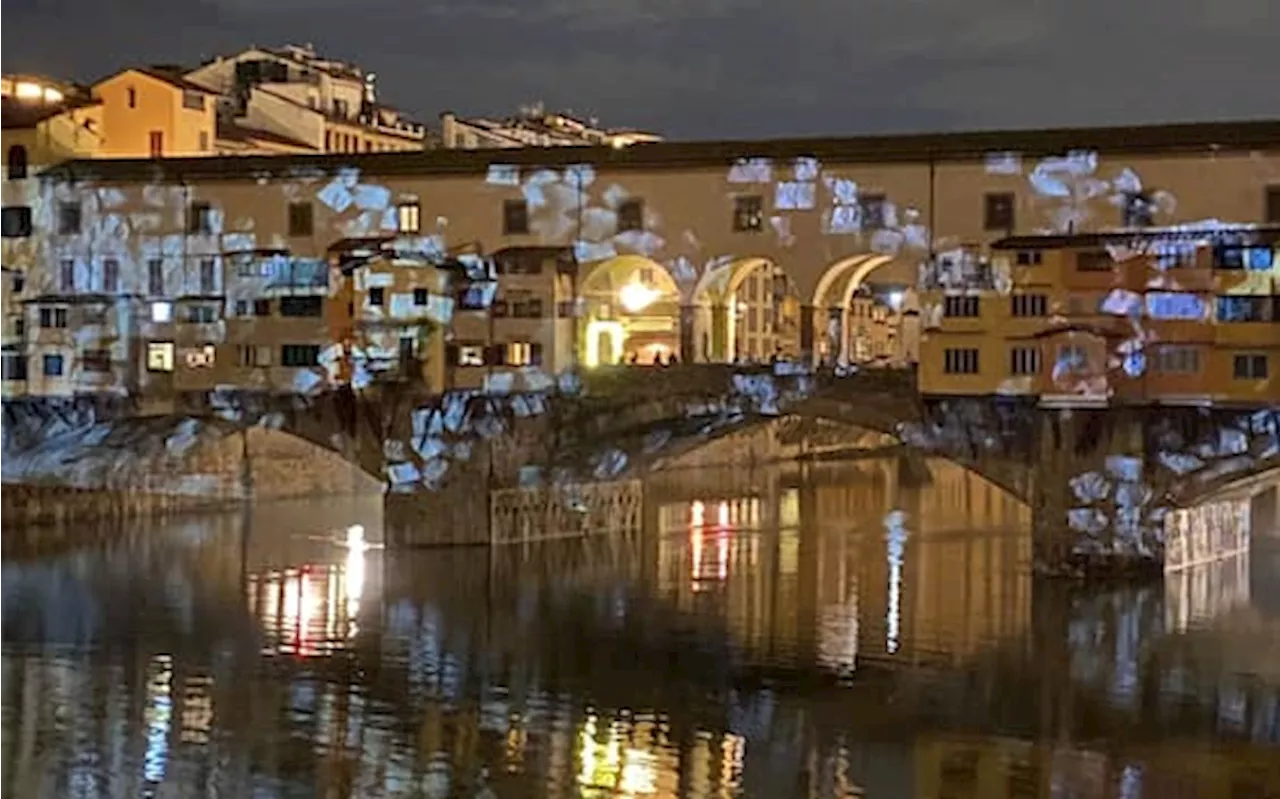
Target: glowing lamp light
[
  {"x": 895, "y": 300},
  {"x": 635, "y": 297}
]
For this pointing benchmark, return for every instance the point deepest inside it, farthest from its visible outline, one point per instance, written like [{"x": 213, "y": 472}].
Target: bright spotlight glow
[
  {"x": 895, "y": 300},
  {"x": 635, "y": 297}
]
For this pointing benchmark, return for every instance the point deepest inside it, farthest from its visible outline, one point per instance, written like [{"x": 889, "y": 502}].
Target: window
[
  {"x": 377, "y": 296},
  {"x": 961, "y": 306},
  {"x": 515, "y": 217},
  {"x": 132, "y": 97},
  {"x": 1250, "y": 366},
  {"x": 1256, "y": 259},
  {"x": 872, "y": 207},
  {"x": 200, "y": 218},
  {"x": 421, "y": 297},
  {"x": 1029, "y": 305},
  {"x": 13, "y": 366},
  {"x": 202, "y": 314},
  {"x": 1072, "y": 358},
  {"x": 53, "y": 366},
  {"x": 519, "y": 262},
  {"x": 522, "y": 353},
  {"x": 963, "y": 361},
  {"x": 200, "y": 357},
  {"x": 208, "y": 276},
  {"x": 155, "y": 142},
  {"x": 408, "y": 217},
  {"x": 748, "y": 214},
  {"x": 527, "y": 308},
  {"x": 1175, "y": 359},
  {"x": 155, "y": 277},
  {"x": 193, "y": 100},
  {"x": 110, "y": 276},
  {"x": 16, "y": 159},
  {"x": 303, "y": 306},
  {"x": 1244, "y": 308},
  {"x": 1024, "y": 361},
  {"x": 300, "y": 355},
  {"x": 1272, "y": 205},
  {"x": 998, "y": 211},
  {"x": 631, "y": 215},
  {"x": 1029, "y": 258},
  {"x": 260, "y": 307},
  {"x": 204, "y": 141},
  {"x": 52, "y": 318},
  {"x": 254, "y": 355},
  {"x": 16, "y": 222},
  {"x": 1137, "y": 210},
  {"x": 67, "y": 275},
  {"x": 161, "y": 312},
  {"x": 68, "y": 218},
  {"x": 301, "y": 219},
  {"x": 96, "y": 361},
  {"x": 470, "y": 355},
  {"x": 160, "y": 356},
  {"x": 19, "y": 283},
  {"x": 1094, "y": 261}
]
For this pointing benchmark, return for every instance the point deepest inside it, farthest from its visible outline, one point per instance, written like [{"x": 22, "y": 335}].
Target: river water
[{"x": 801, "y": 632}]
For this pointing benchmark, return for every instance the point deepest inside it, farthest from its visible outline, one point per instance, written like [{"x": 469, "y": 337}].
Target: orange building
[
  {"x": 157, "y": 113},
  {"x": 1168, "y": 315}
]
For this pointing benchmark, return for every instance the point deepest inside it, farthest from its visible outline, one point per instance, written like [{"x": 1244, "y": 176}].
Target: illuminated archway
[
  {"x": 833, "y": 303},
  {"x": 630, "y": 313},
  {"x": 732, "y": 318}
]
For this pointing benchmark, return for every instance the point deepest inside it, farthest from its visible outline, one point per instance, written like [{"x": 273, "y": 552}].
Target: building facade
[
  {"x": 1187, "y": 314},
  {"x": 535, "y": 127},
  {"x": 833, "y": 216},
  {"x": 152, "y": 112},
  {"x": 294, "y": 94}
]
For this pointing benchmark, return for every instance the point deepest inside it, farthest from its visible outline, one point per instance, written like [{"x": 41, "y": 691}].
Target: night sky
[{"x": 721, "y": 68}]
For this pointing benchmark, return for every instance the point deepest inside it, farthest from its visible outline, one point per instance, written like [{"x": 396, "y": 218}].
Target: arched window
[{"x": 17, "y": 162}]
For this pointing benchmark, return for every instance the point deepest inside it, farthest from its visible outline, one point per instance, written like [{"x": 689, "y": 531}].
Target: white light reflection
[
  {"x": 355, "y": 574},
  {"x": 697, "y": 543},
  {"x": 159, "y": 716},
  {"x": 896, "y": 538}
]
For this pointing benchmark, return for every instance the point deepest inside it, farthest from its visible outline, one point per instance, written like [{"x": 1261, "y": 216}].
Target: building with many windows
[
  {"x": 534, "y": 126},
  {"x": 679, "y": 230},
  {"x": 1153, "y": 315},
  {"x": 294, "y": 95}
]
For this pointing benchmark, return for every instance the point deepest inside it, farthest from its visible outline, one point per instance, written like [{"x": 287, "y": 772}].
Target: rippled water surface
[{"x": 817, "y": 632}]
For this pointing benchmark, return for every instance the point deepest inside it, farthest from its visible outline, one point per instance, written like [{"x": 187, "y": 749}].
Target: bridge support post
[{"x": 1089, "y": 494}]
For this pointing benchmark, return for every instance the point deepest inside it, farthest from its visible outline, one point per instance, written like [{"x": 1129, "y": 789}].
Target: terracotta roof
[
  {"x": 232, "y": 131},
  {"x": 165, "y": 74},
  {"x": 1199, "y": 137}
]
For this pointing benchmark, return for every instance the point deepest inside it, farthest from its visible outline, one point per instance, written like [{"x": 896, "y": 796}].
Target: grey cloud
[{"x": 726, "y": 68}]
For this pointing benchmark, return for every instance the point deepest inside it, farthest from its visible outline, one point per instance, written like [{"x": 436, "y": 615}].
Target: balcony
[{"x": 960, "y": 270}]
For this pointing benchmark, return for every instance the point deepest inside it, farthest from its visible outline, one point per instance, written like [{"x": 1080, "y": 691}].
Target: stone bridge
[{"x": 1101, "y": 480}]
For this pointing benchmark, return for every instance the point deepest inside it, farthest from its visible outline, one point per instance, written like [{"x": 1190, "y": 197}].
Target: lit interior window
[
  {"x": 161, "y": 312},
  {"x": 160, "y": 356}
]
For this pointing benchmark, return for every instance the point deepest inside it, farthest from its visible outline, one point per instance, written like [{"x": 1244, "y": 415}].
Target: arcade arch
[
  {"x": 631, "y": 312},
  {"x": 851, "y": 331},
  {"x": 743, "y": 308}
]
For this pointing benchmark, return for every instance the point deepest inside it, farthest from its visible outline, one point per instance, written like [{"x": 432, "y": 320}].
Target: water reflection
[{"x": 825, "y": 631}]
